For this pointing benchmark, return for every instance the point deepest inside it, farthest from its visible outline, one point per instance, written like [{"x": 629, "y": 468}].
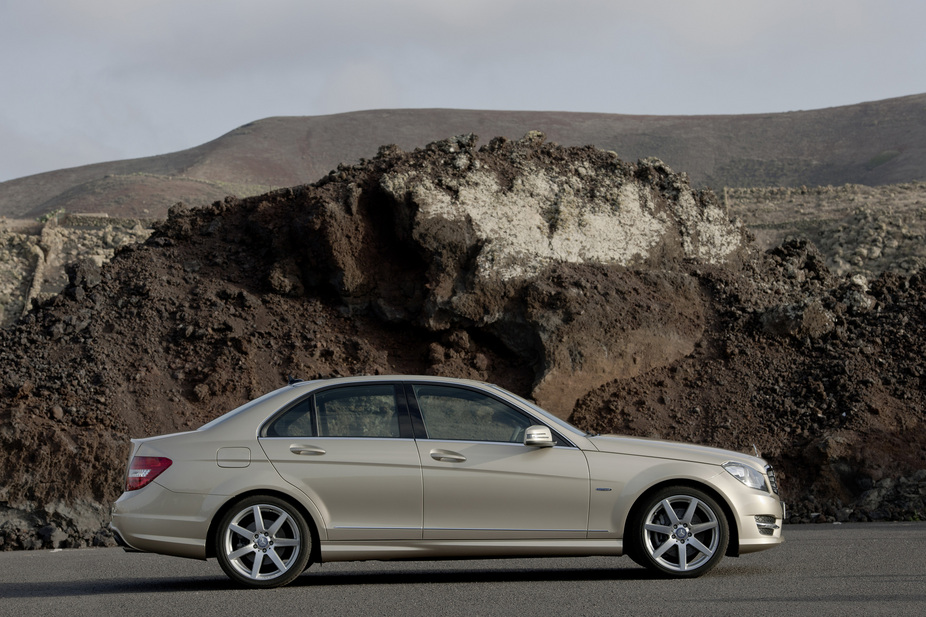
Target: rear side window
[
  {"x": 355, "y": 411},
  {"x": 358, "y": 411},
  {"x": 297, "y": 421}
]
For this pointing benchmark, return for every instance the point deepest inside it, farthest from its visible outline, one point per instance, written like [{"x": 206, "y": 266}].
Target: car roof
[
  {"x": 379, "y": 378},
  {"x": 290, "y": 391}
]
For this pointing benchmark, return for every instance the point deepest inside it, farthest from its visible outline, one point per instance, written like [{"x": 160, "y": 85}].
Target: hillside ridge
[{"x": 872, "y": 143}]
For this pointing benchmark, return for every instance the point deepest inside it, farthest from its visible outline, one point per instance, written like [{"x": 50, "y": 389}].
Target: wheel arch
[
  {"x": 231, "y": 502},
  {"x": 640, "y": 502}
]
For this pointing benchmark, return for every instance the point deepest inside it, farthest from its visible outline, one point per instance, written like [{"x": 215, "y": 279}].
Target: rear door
[{"x": 351, "y": 450}]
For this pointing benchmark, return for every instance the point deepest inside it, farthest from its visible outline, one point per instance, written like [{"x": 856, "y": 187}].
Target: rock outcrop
[{"x": 516, "y": 240}]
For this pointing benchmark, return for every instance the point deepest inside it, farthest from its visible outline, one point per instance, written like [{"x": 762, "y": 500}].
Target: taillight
[{"x": 144, "y": 469}]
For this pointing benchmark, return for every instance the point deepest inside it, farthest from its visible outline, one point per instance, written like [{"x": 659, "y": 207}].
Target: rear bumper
[
  {"x": 156, "y": 520},
  {"x": 120, "y": 541}
]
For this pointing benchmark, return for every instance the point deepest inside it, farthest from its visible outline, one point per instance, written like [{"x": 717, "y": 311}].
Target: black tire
[
  {"x": 263, "y": 542},
  {"x": 679, "y": 532}
]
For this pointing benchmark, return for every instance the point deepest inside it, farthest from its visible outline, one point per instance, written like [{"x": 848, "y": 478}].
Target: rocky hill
[
  {"x": 612, "y": 292},
  {"x": 873, "y": 143}
]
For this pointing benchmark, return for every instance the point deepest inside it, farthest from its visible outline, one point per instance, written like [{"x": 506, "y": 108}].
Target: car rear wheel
[
  {"x": 263, "y": 541},
  {"x": 679, "y": 531}
]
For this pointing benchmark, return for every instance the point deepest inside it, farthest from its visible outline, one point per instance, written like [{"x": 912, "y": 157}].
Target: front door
[{"x": 482, "y": 482}]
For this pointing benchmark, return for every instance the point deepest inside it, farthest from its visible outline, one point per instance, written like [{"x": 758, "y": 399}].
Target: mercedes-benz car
[{"x": 408, "y": 467}]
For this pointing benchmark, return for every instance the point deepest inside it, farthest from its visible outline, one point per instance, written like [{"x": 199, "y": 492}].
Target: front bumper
[{"x": 760, "y": 523}]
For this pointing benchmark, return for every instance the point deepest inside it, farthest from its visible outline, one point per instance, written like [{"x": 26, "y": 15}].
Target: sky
[{"x": 86, "y": 81}]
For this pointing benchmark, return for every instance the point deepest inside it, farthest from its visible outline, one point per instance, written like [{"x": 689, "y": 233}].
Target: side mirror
[{"x": 538, "y": 436}]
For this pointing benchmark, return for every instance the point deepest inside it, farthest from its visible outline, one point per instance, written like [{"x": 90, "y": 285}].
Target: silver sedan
[{"x": 410, "y": 467}]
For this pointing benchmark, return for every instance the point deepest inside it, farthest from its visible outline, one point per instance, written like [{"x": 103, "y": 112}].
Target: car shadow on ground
[
  {"x": 484, "y": 575},
  {"x": 318, "y": 579}
]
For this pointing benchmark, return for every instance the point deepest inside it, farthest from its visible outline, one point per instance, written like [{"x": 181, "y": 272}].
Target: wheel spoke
[
  {"x": 663, "y": 529},
  {"x": 272, "y": 554},
  {"x": 702, "y": 527},
  {"x": 682, "y": 557},
  {"x": 662, "y": 549},
  {"x": 286, "y": 542},
  {"x": 673, "y": 518},
  {"x": 258, "y": 519},
  {"x": 241, "y": 552},
  {"x": 258, "y": 560},
  {"x": 689, "y": 513},
  {"x": 697, "y": 544},
  {"x": 241, "y": 531},
  {"x": 279, "y": 523}
]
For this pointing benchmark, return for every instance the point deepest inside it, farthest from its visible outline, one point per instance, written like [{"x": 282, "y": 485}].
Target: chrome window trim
[
  {"x": 495, "y": 443},
  {"x": 310, "y": 438}
]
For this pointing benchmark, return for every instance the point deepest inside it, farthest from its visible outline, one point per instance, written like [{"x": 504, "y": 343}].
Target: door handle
[
  {"x": 447, "y": 456},
  {"x": 306, "y": 450}
]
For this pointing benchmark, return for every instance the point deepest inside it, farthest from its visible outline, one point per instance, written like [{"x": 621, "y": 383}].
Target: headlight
[{"x": 747, "y": 475}]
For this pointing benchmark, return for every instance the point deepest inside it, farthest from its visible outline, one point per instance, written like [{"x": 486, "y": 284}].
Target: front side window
[
  {"x": 355, "y": 411},
  {"x": 459, "y": 414}
]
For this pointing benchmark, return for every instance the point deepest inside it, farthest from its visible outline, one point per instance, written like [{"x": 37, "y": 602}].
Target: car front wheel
[
  {"x": 263, "y": 542},
  {"x": 679, "y": 531}
]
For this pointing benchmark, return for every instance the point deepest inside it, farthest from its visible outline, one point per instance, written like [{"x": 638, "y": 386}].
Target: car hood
[{"x": 639, "y": 446}]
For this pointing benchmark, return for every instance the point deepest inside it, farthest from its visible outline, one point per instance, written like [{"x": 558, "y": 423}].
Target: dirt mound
[
  {"x": 610, "y": 283},
  {"x": 823, "y": 375}
]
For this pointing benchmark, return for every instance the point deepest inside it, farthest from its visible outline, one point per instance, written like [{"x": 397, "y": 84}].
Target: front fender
[{"x": 618, "y": 481}]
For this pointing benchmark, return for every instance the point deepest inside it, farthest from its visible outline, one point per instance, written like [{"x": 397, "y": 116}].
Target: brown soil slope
[
  {"x": 561, "y": 273},
  {"x": 872, "y": 143}
]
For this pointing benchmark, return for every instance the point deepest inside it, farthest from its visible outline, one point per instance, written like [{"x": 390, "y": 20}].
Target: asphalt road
[{"x": 861, "y": 569}]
